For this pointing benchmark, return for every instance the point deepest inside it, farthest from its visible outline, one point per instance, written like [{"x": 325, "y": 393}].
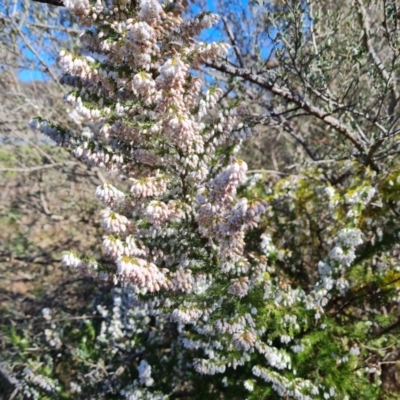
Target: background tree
[
  {"x": 46, "y": 195},
  {"x": 330, "y": 60}
]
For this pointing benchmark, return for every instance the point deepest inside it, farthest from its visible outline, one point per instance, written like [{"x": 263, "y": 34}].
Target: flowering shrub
[{"x": 232, "y": 288}]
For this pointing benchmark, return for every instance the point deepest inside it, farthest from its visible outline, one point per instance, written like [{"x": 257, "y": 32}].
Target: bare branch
[
  {"x": 292, "y": 98},
  {"x": 233, "y": 41},
  {"x": 370, "y": 48},
  {"x": 33, "y": 50},
  {"x": 58, "y": 3},
  {"x": 287, "y": 126},
  {"x": 39, "y": 167}
]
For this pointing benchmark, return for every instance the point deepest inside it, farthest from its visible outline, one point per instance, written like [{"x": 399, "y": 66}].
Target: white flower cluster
[
  {"x": 239, "y": 286},
  {"x": 181, "y": 233},
  {"x": 224, "y": 217},
  {"x": 53, "y": 338},
  {"x": 70, "y": 259},
  {"x": 186, "y": 315},
  {"x": 209, "y": 367},
  {"x": 144, "y": 370},
  {"x": 150, "y": 10},
  {"x": 362, "y": 196},
  {"x": 149, "y": 187},
  {"x": 142, "y": 273},
  {"x": 299, "y": 389},
  {"x": 118, "y": 247},
  {"x": 158, "y": 213},
  {"x": 115, "y": 223},
  {"x": 244, "y": 340},
  {"x": 110, "y": 196},
  {"x": 193, "y": 27},
  {"x": 339, "y": 260},
  {"x": 45, "y": 383},
  {"x": 62, "y": 139}
]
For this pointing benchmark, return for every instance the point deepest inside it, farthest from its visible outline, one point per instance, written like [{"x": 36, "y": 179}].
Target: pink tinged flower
[
  {"x": 212, "y": 51},
  {"x": 186, "y": 316},
  {"x": 158, "y": 212},
  {"x": 150, "y": 10},
  {"x": 194, "y": 26},
  {"x": 182, "y": 280},
  {"x": 141, "y": 32},
  {"x": 244, "y": 340},
  {"x": 114, "y": 222},
  {"x": 183, "y": 132},
  {"x": 109, "y": 195},
  {"x": 141, "y": 273},
  {"x": 113, "y": 246},
  {"x": 117, "y": 247},
  {"x": 239, "y": 287},
  {"x": 144, "y": 85},
  {"x": 148, "y": 187},
  {"x": 171, "y": 71}
]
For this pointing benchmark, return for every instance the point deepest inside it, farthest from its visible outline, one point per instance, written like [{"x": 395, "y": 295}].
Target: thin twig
[
  {"x": 233, "y": 41},
  {"x": 371, "y": 51},
  {"x": 33, "y": 50},
  {"x": 267, "y": 171},
  {"x": 44, "y": 26},
  {"x": 39, "y": 167}
]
